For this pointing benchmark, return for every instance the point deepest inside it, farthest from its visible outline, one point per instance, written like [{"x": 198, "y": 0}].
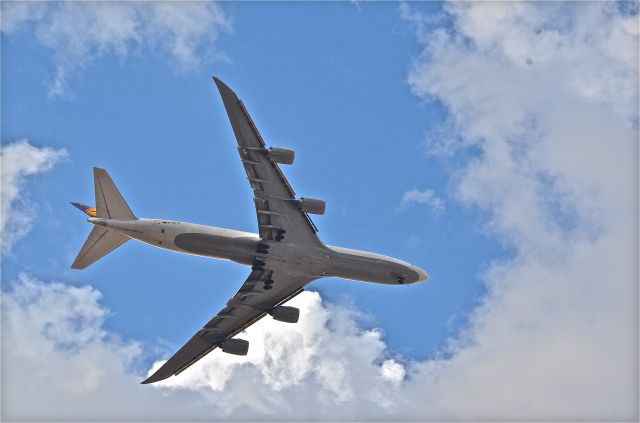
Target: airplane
[{"x": 284, "y": 256}]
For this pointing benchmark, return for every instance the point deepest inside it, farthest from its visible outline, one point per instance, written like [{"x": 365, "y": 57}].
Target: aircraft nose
[{"x": 422, "y": 275}]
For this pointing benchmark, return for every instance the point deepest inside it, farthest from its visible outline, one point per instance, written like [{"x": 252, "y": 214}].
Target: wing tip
[
  {"x": 154, "y": 378},
  {"x": 223, "y": 88},
  {"x": 218, "y": 82}
]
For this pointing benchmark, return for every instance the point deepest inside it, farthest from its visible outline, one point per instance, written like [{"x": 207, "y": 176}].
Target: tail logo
[{"x": 91, "y": 211}]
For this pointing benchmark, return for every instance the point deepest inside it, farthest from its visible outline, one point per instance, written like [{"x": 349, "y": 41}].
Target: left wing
[{"x": 262, "y": 292}]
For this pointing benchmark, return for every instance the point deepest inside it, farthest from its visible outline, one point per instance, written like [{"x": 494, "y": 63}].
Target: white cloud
[
  {"x": 426, "y": 197},
  {"x": 545, "y": 97},
  {"x": 80, "y": 33},
  {"x": 18, "y": 161},
  {"x": 393, "y": 371},
  {"x": 58, "y": 361},
  {"x": 58, "y": 354},
  {"x": 16, "y": 14}
]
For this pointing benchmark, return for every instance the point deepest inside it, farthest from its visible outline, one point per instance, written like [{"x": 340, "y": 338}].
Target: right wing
[
  {"x": 262, "y": 291},
  {"x": 279, "y": 216}
]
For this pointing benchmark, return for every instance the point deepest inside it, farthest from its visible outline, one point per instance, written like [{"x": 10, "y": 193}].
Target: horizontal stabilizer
[{"x": 101, "y": 242}]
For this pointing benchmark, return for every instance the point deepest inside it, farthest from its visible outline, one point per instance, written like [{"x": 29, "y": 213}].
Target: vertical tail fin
[{"x": 109, "y": 202}]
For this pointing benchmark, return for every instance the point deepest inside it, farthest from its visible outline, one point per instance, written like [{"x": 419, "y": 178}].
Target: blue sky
[
  {"x": 342, "y": 102},
  {"x": 442, "y": 135}
]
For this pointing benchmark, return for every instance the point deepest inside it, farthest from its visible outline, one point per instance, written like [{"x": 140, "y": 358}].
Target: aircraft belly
[{"x": 238, "y": 249}]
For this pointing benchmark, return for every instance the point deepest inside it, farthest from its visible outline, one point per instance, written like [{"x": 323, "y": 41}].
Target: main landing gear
[
  {"x": 259, "y": 262},
  {"x": 268, "y": 284}
]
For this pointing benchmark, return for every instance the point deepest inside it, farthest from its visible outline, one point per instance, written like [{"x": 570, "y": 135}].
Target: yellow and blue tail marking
[{"x": 91, "y": 211}]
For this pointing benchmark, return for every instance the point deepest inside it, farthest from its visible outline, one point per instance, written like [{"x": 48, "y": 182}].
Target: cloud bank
[
  {"x": 18, "y": 161},
  {"x": 292, "y": 371},
  {"x": 79, "y": 33},
  {"x": 543, "y": 100}
]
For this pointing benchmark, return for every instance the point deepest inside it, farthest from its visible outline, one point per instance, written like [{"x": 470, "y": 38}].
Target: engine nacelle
[
  {"x": 312, "y": 205},
  {"x": 235, "y": 346},
  {"x": 281, "y": 155},
  {"x": 285, "y": 314}
]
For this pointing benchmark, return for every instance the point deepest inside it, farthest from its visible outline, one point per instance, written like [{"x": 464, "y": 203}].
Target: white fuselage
[{"x": 240, "y": 247}]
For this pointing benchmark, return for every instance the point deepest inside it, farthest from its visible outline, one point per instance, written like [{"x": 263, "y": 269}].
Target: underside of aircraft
[{"x": 284, "y": 256}]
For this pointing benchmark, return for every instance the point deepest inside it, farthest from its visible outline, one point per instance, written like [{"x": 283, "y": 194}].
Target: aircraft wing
[
  {"x": 279, "y": 216},
  {"x": 251, "y": 303}
]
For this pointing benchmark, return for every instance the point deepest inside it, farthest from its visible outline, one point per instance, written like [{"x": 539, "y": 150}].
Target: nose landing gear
[{"x": 401, "y": 278}]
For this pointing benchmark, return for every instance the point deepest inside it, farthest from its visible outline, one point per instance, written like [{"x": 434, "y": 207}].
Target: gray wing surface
[
  {"x": 248, "y": 305},
  {"x": 279, "y": 216}
]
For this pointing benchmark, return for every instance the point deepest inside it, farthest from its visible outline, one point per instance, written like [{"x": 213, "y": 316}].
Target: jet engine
[
  {"x": 312, "y": 205},
  {"x": 281, "y": 155},
  {"x": 285, "y": 314},
  {"x": 235, "y": 346}
]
